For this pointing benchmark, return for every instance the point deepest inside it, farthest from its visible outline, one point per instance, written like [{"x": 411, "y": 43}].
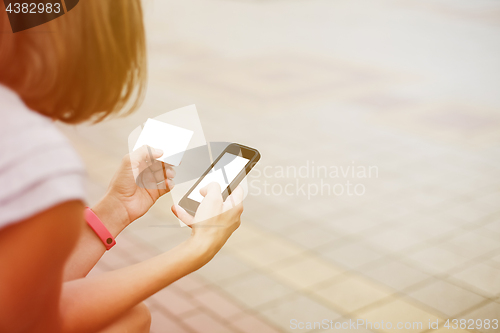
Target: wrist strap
[{"x": 102, "y": 232}]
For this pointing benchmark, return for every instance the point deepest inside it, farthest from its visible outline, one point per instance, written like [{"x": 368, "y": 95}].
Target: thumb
[
  {"x": 212, "y": 190},
  {"x": 142, "y": 158},
  {"x": 182, "y": 215},
  {"x": 211, "y": 205}
]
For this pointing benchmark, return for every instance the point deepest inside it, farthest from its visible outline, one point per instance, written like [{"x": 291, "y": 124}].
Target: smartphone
[{"x": 229, "y": 169}]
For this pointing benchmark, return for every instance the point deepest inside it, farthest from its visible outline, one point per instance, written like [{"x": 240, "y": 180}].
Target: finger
[
  {"x": 157, "y": 165},
  {"x": 162, "y": 182},
  {"x": 212, "y": 192},
  {"x": 212, "y": 188},
  {"x": 144, "y": 157},
  {"x": 149, "y": 181},
  {"x": 235, "y": 199},
  {"x": 166, "y": 172},
  {"x": 159, "y": 176},
  {"x": 165, "y": 187},
  {"x": 148, "y": 153},
  {"x": 211, "y": 205},
  {"x": 182, "y": 215}
]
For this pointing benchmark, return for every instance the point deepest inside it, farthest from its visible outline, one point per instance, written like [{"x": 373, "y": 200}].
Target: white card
[{"x": 171, "y": 139}]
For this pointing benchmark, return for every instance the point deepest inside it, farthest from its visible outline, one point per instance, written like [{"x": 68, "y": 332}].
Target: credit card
[{"x": 173, "y": 140}]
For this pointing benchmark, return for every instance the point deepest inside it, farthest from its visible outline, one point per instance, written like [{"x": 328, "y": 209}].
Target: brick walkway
[{"x": 410, "y": 87}]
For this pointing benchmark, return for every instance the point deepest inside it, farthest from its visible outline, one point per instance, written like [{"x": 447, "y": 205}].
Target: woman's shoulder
[
  {"x": 38, "y": 166},
  {"x": 26, "y": 134},
  {"x": 19, "y": 124}
]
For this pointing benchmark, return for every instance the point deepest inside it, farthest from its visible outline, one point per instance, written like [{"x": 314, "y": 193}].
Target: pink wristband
[{"x": 95, "y": 223}]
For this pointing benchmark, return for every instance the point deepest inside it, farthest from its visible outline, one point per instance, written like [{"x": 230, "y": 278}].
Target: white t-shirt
[{"x": 38, "y": 167}]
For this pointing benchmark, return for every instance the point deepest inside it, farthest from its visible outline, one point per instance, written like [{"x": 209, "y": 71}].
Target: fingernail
[{"x": 159, "y": 151}]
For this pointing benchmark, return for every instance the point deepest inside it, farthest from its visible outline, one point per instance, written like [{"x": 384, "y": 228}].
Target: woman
[{"x": 85, "y": 65}]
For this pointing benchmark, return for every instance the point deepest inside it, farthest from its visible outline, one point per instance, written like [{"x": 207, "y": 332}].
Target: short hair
[{"x": 85, "y": 65}]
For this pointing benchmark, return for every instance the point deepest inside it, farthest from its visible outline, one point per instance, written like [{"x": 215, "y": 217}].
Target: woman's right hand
[{"x": 215, "y": 220}]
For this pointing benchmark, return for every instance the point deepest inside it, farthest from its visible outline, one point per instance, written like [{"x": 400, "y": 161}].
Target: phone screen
[{"x": 224, "y": 172}]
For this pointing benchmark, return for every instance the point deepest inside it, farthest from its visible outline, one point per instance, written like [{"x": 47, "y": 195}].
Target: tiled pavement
[{"x": 408, "y": 86}]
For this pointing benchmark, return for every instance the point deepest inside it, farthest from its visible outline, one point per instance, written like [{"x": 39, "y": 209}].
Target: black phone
[{"x": 228, "y": 169}]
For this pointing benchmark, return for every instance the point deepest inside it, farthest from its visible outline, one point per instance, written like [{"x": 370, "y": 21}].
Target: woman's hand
[
  {"x": 136, "y": 186},
  {"x": 215, "y": 219}
]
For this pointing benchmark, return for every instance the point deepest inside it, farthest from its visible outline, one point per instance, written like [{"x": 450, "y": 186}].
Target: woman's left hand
[{"x": 136, "y": 186}]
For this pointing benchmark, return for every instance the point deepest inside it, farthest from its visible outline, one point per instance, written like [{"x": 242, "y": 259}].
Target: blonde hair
[{"x": 84, "y": 65}]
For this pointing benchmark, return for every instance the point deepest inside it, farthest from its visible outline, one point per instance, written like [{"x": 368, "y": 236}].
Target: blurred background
[{"x": 411, "y": 87}]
